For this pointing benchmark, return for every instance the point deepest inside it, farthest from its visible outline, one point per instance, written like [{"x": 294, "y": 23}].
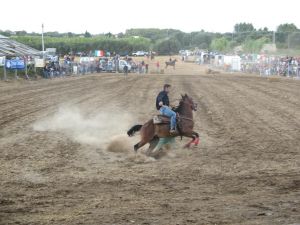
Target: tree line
[{"x": 164, "y": 41}]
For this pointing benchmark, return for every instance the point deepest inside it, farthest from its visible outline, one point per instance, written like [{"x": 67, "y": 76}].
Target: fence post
[
  {"x": 4, "y": 68},
  {"x": 26, "y": 71}
]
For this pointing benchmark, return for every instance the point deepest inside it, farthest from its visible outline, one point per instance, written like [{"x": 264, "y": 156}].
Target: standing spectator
[
  {"x": 147, "y": 67},
  {"x": 157, "y": 67},
  {"x": 143, "y": 67},
  {"x": 140, "y": 68},
  {"x": 125, "y": 70}
]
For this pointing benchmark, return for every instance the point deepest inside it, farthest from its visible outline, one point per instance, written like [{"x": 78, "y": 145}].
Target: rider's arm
[{"x": 160, "y": 99}]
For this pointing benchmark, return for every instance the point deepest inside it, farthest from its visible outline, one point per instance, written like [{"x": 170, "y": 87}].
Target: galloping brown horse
[{"x": 151, "y": 132}]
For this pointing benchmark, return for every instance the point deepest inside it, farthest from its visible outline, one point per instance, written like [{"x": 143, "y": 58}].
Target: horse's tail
[{"x": 134, "y": 129}]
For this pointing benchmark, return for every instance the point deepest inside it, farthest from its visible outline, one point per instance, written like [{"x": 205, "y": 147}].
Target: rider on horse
[{"x": 162, "y": 104}]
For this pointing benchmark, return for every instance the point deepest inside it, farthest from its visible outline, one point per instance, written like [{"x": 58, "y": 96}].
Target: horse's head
[{"x": 189, "y": 102}]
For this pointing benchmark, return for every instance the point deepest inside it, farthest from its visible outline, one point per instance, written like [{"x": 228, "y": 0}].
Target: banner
[
  {"x": 15, "y": 64},
  {"x": 39, "y": 63},
  {"x": 86, "y": 59},
  {"x": 51, "y": 50},
  {"x": 2, "y": 61}
]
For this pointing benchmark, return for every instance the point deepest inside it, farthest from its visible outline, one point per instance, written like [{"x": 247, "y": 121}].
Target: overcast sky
[{"x": 100, "y": 16}]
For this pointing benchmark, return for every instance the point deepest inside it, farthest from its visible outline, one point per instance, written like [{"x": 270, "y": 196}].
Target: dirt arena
[{"x": 65, "y": 158}]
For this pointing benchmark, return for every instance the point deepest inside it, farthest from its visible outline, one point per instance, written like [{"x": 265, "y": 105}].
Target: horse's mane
[{"x": 179, "y": 108}]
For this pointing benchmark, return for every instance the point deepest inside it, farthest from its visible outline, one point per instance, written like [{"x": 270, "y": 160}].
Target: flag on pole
[{"x": 99, "y": 53}]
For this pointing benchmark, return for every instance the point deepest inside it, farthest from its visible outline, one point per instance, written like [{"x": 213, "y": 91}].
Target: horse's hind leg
[
  {"x": 159, "y": 145},
  {"x": 139, "y": 145},
  {"x": 153, "y": 144}
]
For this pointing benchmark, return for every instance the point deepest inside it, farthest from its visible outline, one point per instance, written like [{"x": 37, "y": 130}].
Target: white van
[{"x": 122, "y": 63}]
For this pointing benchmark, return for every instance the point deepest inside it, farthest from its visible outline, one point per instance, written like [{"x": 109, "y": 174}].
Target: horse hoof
[{"x": 196, "y": 142}]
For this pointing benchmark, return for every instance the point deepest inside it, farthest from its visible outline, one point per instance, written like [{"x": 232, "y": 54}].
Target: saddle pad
[{"x": 160, "y": 119}]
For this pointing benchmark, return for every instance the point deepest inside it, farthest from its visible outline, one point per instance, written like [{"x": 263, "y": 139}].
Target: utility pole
[
  {"x": 43, "y": 45},
  {"x": 274, "y": 38}
]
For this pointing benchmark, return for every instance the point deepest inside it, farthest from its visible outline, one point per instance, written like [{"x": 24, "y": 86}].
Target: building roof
[{"x": 9, "y": 47}]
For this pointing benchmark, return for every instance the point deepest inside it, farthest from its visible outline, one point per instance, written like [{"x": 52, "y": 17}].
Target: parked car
[{"x": 139, "y": 53}]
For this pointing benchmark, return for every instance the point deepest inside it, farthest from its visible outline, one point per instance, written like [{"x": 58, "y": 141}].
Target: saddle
[{"x": 162, "y": 119}]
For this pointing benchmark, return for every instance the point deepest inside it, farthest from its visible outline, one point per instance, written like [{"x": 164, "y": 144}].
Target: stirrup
[{"x": 173, "y": 131}]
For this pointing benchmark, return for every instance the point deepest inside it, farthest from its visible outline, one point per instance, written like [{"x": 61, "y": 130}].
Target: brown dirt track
[{"x": 245, "y": 171}]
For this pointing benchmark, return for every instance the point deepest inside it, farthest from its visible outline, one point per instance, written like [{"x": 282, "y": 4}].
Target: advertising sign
[
  {"x": 15, "y": 64},
  {"x": 39, "y": 63}
]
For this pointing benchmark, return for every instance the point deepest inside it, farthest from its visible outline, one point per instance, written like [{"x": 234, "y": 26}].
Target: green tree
[
  {"x": 201, "y": 39},
  {"x": 243, "y": 27},
  {"x": 21, "y": 33},
  {"x": 220, "y": 44},
  {"x": 6, "y": 33},
  {"x": 87, "y": 34},
  {"x": 167, "y": 46},
  {"x": 284, "y": 32},
  {"x": 287, "y": 28},
  {"x": 254, "y": 46},
  {"x": 70, "y": 34},
  {"x": 109, "y": 35}
]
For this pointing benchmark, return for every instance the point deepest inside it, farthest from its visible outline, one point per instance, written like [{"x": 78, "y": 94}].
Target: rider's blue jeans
[{"x": 165, "y": 110}]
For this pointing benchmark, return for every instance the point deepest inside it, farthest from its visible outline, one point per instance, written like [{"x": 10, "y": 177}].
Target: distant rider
[{"x": 162, "y": 104}]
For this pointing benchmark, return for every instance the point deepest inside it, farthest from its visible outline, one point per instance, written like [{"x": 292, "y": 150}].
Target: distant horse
[
  {"x": 154, "y": 132},
  {"x": 171, "y": 63}
]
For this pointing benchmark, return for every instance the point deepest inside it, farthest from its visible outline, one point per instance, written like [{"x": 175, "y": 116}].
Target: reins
[{"x": 185, "y": 118}]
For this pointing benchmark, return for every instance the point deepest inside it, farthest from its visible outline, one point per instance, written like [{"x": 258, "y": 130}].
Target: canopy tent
[{"x": 9, "y": 47}]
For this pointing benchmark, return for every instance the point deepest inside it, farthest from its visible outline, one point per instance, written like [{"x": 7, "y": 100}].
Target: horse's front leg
[
  {"x": 188, "y": 145},
  {"x": 195, "y": 139}
]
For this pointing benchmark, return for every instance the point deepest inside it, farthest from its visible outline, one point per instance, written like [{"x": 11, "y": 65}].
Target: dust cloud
[{"x": 102, "y": 129}]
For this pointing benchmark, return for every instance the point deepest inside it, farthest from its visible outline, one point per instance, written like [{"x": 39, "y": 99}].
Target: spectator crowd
[
  {"x": 72, "y": 65},
  {"x": 271, "y": 65}
]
